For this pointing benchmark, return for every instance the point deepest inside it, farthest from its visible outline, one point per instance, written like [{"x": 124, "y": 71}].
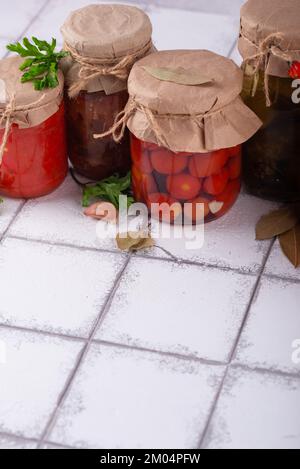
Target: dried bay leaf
[
  {"x": 276, "y": 223},
  {"x": 180, "y": 75},
  {"x": 134, "y": 241},
  {"x": 290, "y": 245}
]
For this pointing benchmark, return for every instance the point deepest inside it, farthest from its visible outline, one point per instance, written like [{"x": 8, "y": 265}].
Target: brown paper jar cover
[
  {"x": 199, "y": 118},
  {"x": 29, "y": 106},
  {"x": 271, "y": 28},
  {"x": 105, "y": 34}
]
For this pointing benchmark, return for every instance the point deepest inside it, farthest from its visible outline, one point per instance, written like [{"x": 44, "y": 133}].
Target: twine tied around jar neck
[
  {"x": 7, "y": 115},
  {"x": 118, "y": 128},
  {"x": 269, "y": 46},
  {"x": 94, "y": 67}
]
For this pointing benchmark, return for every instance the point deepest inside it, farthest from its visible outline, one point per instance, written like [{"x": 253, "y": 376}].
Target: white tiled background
[{"x": 98, "y": 349}]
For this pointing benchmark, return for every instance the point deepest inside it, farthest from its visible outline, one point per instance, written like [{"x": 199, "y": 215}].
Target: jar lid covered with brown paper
[
  {"x": 20, "y": 103},
  {"x": 270, "y": 35},
  {"x": 104, "y": 42},
  {"x": 33, "y": 154},
  {"x": 188, "y": 100}
]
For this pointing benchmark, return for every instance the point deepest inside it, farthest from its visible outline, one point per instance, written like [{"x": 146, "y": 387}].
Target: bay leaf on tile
[
  {"x": 275, "y": 223},
  {"x": 134, "y": 241},
  {"x": 290, "y": 245}
]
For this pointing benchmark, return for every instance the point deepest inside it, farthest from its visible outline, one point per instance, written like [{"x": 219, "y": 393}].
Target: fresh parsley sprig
[
  {"x": 41, "y": 64},
  {"x": 109, "y": 190}
]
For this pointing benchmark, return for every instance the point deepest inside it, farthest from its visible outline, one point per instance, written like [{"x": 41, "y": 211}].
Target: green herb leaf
[
  {"x": 109, "y": 190},
  {"x": 41, "y": 66}
]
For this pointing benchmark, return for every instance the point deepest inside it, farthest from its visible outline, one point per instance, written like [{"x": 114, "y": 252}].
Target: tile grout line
[
  {"x": 63, "y": 395},
  {"x": 235, "y": 345},
  {"x": 24, "y": 439},
  {"x": 252, "y": 298},
  {"x": 43, "y": 332},
  {"x": 179, "y": 261},
  {"x": 19, "y": 210},
  {"x": 204, "y": 361},
  {"x": 163, "y": 354},
  {"x": 270, "y": 371},
  {"x": 12, "y": 436}
]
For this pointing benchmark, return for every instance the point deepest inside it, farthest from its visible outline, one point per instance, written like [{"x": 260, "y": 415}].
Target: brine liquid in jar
[
  {"x": 271, "y": 163},
  {"x": 35, "y": 159},
  {"x": 183, "y": 180}
]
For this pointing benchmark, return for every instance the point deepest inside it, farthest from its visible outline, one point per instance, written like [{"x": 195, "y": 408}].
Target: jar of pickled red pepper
[
  {"x": 187, "y": 123},
  {"x": 104, "y": 41},
  {"x": 33, "y": 153},
  {"x": 270, "y": 47}
]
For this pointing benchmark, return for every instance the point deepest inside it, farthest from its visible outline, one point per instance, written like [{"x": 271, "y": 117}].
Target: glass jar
[
  {"x": 271, "y": 163},
  {"x": 269, "y": 43},
  {"x": 35, "y": 159},
  {"x": 104, "y": 41},
  {"x": 94, "y": 113},
  {"x": 160, "y": 176}
]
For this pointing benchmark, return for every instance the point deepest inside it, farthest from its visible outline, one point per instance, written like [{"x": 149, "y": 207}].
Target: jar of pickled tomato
[
  {"x": 270, "y": 47},
  {"x": 33, "y": 153},
  {"x": 186, "y": 134},
  {"x": 104, "y": 41}
]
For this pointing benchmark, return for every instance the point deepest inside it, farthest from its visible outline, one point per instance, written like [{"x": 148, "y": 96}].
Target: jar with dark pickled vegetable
[
  {"x": 104, "y": 41},
  {"x": 270, "y": 45},
  {"x": 187, "y": 127},
  {"x": 33, "y": 153}
]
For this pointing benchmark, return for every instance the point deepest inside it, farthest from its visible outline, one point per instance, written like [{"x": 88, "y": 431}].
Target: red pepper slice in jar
[
  {"x": 216, "y": 184},
  {"x": 228, "y": 196},
  {"x": 143, "y": 184},
  {"x": 235, "y": 166},
  {"x": 140, "y": 156},
  {"x": 206, "y": 164}
]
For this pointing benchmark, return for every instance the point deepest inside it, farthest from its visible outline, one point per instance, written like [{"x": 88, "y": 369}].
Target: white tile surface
[
  {"x": 272, "y": 328},
  {"x": 231, "y": 7},
  {"x": 16, "y": 16},
  {"x": 279, "y": 265},
  {"x": 8, "y": 210},
  {"x": 32, "y": 377},
  {"x": 256, "y": 411},
  {"x": 235, "y": 56},
  {"x": 195, "y": 30},
  {"x": 120, "y": 397},
  {"x": 126, "y": 399},
  {"x": 14, "y": 443},
  {"x": 229, "y": 241},
  {"x": 182, "y": 309},
  {"x": 56, "y": 289},
  {"x": 3, "y": 43},
  {"x": 59, "y": 217}
]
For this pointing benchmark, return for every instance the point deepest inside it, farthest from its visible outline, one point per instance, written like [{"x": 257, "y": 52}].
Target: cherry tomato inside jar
[
  {"x": 35, "y": 159},
  {"x": 210, "y": 179}
]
